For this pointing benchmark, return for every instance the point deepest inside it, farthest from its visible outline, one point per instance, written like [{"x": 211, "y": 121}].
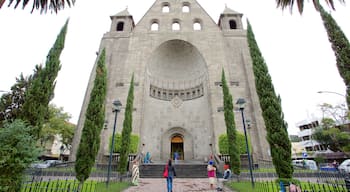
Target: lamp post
[
  {"x": 241, "y": 103},
  {"x": 117, "y": 106},
  {"x": 3, "y": 91},
  {"x": 332, "y": 92}
]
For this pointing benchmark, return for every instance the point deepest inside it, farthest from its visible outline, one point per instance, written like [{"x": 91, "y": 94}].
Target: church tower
[{"x": 176, "y": 53}]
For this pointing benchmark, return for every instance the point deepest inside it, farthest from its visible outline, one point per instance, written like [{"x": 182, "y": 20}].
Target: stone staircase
[{"x": 183, "y": 170}]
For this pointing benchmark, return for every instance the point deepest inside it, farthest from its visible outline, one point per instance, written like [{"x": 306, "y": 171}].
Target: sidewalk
[{"x": 179, "y": 185}]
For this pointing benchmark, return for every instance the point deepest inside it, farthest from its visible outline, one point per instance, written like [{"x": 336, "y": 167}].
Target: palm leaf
[
  {"x": 42, "y": 5},
  {"x": 283, "y": 4}
]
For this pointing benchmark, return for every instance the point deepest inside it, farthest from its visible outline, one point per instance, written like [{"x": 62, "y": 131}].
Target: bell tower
[
  {"x": 230, "y": 20},
  {"x": 122, "y": 22}
]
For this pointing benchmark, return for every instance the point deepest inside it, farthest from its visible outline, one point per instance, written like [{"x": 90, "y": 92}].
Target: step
[{"x": 183, "y": 170}]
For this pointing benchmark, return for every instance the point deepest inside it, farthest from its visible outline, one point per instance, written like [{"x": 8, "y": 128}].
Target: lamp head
[
  {"x": 240, "y": 102},
  {"x": 117, "y": 104}
]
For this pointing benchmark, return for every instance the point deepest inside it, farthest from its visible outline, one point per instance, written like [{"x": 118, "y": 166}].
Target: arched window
[
  {"x": 233, "y": 24},
  {"x": 197, "y": 26},
  {"x": 185, "y": 8},
  {"x": 155, "y": 26},
  {"x": 120, "y": 26},
  {"x": 175, "y": 26},
  {"x": 165, "y": 8}
]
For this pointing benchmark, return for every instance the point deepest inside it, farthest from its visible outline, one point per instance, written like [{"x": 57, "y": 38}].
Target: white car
[
  {"x": 344, "y": 166},
  {"x": 46, "y": 164},
  {"x": 305, "y": 164}
]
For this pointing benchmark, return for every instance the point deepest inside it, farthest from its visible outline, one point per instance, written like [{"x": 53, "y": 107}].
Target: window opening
[
  {"x": 233, "y": 24},
  {"x": 197, "y": 26},
  {"x": 120, "y": 26},
  {"x": 154, "y": 26},
  {"x": 176, "y": 26},
  {"x": 165, "y": 8},
  {"x": 186, "y": 9}
]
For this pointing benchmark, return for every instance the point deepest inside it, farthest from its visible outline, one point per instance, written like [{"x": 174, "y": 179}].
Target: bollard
[{"x": 282, "y": 188}]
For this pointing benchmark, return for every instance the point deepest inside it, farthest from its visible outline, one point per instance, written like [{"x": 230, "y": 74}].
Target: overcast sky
[{"x": 295, "y": 47}]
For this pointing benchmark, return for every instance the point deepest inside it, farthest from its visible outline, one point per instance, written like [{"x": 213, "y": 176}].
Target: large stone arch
[
  {"x": 176, "y": 101},
  {"x": 177, "y": 62}
]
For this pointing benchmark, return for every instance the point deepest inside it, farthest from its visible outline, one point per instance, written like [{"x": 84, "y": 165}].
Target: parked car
[
  {"x": 344, "y": 166},
  {"x": 305, "y": 164},
  {"x": 46, "y": 164}
]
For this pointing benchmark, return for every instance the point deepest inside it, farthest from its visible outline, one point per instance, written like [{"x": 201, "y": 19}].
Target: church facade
[{"x": 177, "y": 53}]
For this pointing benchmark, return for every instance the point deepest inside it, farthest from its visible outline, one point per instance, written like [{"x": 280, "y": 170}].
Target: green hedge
[
  {"x": 223, "y": 144},
  {"x": 118, "y": 141}
]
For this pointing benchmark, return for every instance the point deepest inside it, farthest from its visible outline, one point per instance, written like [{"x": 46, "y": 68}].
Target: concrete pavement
[{"x": 179, "y": 185}]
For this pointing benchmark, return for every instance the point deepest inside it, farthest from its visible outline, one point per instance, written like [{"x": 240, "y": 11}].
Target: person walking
[
  {"x": 169, "y": 173},
  {"x": 135, "y": 173},
  {"x": 211, "y": 174}
]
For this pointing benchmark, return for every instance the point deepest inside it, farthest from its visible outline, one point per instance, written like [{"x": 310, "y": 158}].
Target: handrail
[{"x": 219, "y": 163}]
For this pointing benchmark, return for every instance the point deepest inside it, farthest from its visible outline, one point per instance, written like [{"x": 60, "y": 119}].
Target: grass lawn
[
  {"x": 115, "y": 187},
  {"x": 271, "y": 186},
  {"x": 89, "y": 186}
]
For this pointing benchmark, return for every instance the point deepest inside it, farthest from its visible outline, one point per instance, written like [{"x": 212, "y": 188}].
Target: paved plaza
[{"x": 179, "y": 185}]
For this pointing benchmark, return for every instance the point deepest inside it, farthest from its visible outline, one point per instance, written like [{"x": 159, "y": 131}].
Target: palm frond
[
  {"x": 1, "y": 3},
  {"x": 283, "y": 4},
  {"x": 42, "y": 5}
]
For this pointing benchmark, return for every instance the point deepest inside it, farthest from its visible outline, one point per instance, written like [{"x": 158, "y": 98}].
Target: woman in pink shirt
[{"x": 211, "y": 174}]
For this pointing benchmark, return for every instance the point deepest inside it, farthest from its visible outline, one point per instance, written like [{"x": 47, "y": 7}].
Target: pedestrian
[
  {"x": 147, "y": 158},
  {"x": 211, "y": 174},
  {"x": 176, "y": 157},
  {"x": 294, "y": 188},
  {"x": 135, "y": 173},
  {"x": 225, "y": 178},
  {"x": 335, "y": 164},
  {"x": 169, "y": 173}
]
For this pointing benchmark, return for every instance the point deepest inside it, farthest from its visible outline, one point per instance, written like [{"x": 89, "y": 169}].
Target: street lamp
[
  {"x": 117, "y": 106},
  {"x": 241, "y": 103},
  {"x": 332, "y": 92},
  {"x": 3, "y": 91}
]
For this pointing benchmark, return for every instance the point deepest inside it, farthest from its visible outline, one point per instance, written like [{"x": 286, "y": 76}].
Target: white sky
[{"x": 295, "y": 47}]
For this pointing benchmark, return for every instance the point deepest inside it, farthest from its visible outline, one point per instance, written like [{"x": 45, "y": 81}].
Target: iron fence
[
  {"x": 62, "y": 178},
  {"x": 272, "y": 186},
  {"x": 57, "y": 185}
]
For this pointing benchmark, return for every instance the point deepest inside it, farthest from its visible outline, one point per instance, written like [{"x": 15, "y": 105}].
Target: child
[{"x": 211, "y": 173}]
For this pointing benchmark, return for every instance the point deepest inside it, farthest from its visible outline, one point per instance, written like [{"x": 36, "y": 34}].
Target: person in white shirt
[{"x": 226, "y": 177}]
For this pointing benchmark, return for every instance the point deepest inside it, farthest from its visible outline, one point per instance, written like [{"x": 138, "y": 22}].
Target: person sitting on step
[{"x": 225, "y": 178}]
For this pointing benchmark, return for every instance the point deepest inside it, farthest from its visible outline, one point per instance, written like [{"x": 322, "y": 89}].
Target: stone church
[{"x": 176, "y": 53}]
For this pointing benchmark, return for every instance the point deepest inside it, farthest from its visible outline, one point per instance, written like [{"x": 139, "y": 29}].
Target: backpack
[{"x": 227, "y": 174}]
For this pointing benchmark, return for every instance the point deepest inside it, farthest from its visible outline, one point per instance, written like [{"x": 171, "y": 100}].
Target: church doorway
[{"x": 177, "y": 145}]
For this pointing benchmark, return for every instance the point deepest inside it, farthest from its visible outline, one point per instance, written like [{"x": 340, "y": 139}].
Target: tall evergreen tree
[
  {"x": 127, "y": 129},
  {"x": 41, "y": 89},
  {"x": 11, "y": 103},
  {"x": 276, "y": 127},
  {"x": 341, "y": 48},
  {"x": 94, "y": 120},
  {"x": 231, "y": 130}
]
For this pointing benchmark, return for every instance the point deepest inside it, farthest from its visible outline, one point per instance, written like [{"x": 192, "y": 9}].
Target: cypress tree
[
  {"x": 127, "y": 129},
  {"x": 41, "y": 89},
  {"x": 94, "y": 120},
  {"x": 276, "y": 127},
  {"x": 341, "y": 48},
  {"x": 231, "y": 131}
]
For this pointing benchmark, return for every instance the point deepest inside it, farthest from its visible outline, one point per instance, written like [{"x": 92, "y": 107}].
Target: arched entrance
[{"x": 177, "y": 145}]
